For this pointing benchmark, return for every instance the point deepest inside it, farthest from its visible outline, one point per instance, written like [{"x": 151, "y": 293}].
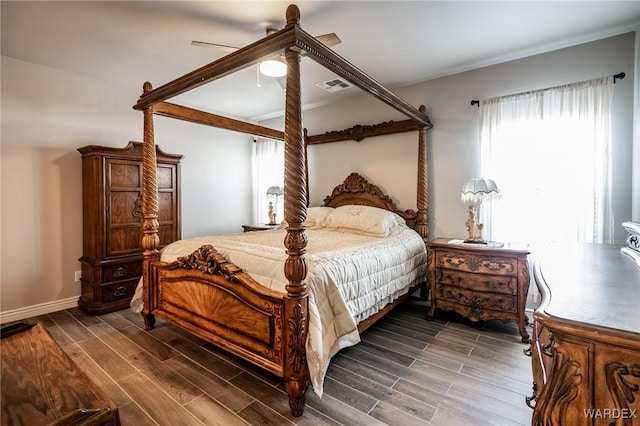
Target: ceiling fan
[{"x": 274, "y": 67}]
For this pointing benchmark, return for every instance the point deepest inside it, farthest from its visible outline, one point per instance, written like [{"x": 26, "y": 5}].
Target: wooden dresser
[
  {"x": 112, "y": 228},
  {"x": 479, "y": 281},
  {"x": 586, "y": 340}
]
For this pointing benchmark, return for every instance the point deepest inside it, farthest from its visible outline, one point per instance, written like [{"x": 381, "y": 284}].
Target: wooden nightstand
[
  {"x": 258, "y": 227},
  {"x": 481, "y": 282}
]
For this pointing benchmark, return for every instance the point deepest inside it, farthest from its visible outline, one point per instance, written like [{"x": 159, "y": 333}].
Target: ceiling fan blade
[
  {"x": 329, "y": 40},
  {"x": 223, "y": 47}
]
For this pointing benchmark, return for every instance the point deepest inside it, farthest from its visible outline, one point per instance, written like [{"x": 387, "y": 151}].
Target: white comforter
[{"x": 350, "y": 277}]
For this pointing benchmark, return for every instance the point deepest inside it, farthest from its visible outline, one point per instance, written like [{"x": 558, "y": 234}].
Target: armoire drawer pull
[
  {"x": 120, "y": 272},
  {"x": 120, "y": 291}
]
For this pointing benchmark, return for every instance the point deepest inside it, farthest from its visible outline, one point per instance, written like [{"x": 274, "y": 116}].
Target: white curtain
[
  {"x": 268, "y": 170},
  {"x": 549, "y": 152}
]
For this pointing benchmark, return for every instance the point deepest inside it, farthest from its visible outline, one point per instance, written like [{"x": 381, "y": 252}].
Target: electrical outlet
[{"x": 77, "y": 276}]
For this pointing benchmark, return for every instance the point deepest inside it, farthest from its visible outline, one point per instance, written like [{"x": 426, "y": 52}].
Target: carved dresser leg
[{"x": 523, "y": 333}]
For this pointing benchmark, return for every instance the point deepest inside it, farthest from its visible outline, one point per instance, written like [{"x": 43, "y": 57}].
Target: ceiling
[{"x": 397, "y": 43}]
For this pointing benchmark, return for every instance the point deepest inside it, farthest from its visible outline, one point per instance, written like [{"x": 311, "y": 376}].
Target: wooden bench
[{"x": 41, "y": 385}]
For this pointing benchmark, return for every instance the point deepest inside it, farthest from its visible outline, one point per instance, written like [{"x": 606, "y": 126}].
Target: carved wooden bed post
[
  {"x": 150, "y": 207},
  {"x": 306, "y": 164},
  {"x": 296, "y": 303},
  {"x": 423, "y": 182}
]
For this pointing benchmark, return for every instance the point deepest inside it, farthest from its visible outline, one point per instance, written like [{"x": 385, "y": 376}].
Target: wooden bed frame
[{"x": 213, "y": 298}]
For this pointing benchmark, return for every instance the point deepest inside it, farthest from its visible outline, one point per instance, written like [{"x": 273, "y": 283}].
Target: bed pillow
[
  {"x": 316, "y": 217},
  {"x": 364, "y": 219}
]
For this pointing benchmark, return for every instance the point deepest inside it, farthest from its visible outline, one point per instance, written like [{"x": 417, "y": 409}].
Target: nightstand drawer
[
  {"x": 477, "y": 300},
  {"x": 495, "y": 265},
  {"x": 478, "y": 282}
]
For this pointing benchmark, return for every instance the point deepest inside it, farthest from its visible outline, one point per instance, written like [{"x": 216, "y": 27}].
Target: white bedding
[{"x": 350, "y": 277}]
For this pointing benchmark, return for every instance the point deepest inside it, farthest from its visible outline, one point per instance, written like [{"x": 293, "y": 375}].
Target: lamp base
[{"x": 475, "y": 242}]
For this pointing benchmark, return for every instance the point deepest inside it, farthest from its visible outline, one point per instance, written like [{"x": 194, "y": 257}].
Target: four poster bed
[{"x": 195, "y": 286}]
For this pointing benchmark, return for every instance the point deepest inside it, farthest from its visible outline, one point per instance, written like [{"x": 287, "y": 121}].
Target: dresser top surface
[{"x": 593, "y": 284}]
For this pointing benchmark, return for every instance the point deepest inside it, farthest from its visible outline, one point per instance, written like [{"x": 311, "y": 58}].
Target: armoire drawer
[
  {"x": 122, "y": 271},
  {"x": 117, "y": 291}
]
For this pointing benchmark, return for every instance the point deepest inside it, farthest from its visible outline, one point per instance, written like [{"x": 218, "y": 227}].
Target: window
[
  {"x": 549, "y": 153},
  {"x": 268, "y": 170}
]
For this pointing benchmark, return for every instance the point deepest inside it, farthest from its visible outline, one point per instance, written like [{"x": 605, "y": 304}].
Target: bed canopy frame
[{"x": 294, "y": 42}]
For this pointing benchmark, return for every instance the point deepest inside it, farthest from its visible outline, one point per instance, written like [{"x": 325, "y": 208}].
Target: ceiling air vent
[{"x": 334, "y": 85}]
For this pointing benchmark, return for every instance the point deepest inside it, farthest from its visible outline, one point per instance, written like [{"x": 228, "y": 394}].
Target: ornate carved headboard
[{"x": 357, "y": 190}]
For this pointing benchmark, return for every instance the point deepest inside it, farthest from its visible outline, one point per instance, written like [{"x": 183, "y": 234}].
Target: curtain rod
[{"x": 618, "y": 76}]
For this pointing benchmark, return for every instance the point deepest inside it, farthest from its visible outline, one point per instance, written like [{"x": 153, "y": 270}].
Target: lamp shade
[
  {"x": 477, "y": 190},
  {"x": 273, "y": 68},
  {"x": 275, "y": 190}
]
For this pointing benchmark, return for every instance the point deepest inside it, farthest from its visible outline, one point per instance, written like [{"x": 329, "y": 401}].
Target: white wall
[
  {"x": 46, "y": 115},
  {"x": 390, "y": 161}
]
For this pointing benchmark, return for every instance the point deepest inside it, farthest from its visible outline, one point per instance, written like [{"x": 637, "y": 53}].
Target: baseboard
[{"x": 35, "y": 310}]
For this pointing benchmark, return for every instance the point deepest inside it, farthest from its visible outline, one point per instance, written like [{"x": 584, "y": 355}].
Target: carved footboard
[{"x": 215, "y": 300}]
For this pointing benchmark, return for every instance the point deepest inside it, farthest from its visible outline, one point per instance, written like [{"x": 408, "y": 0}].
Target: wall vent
[{"x": 334, "y": 85}]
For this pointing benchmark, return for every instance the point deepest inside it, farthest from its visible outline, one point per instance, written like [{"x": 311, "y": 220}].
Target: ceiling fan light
[{"x": 273, "y": 68}]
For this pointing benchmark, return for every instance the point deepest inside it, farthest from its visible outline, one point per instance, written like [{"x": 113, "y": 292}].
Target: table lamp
[
  {"x": 273, "y": 191},
  {"x": 474, "y": 192}
]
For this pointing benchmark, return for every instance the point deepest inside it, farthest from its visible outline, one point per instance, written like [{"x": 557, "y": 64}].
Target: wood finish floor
[{"x": 406, "y": 371}]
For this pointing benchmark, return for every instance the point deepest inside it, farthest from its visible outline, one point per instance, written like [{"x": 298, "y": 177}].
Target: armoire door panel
[
  {"x": 123, "y": 207},
  {"x": 166, "y": 234},
  {"x": 124, "y": 240},
  {"x": 123, "y": 174},
  {"x": 166, "y": 206},
  {"x": 166, "y": 177}
]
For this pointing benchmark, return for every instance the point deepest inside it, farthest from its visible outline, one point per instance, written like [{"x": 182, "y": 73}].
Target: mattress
[{"x": 350, "y": 277}]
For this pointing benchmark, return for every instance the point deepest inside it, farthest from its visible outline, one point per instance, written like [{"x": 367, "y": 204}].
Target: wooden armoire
[{"x": 112, "y": 221}]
